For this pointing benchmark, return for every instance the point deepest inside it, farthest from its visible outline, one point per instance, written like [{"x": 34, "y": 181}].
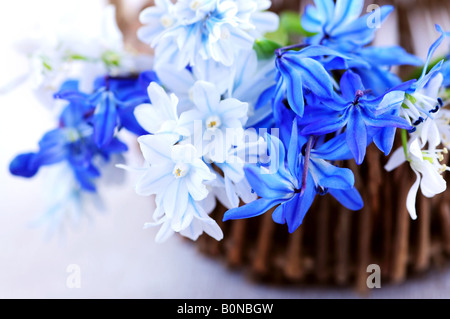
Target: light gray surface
[{"x": 117, "y": 258}]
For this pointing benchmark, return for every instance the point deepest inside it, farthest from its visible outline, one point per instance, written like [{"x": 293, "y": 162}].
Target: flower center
[
  {"x": 194, "y": 5},
  {"x": 213, "y": 122},
  {"x": 359, "y": 94},
  {"x": 166, "y": 21},
  {"x": 435, "y": 157},
  {"x": 180, "y": 170},
  {"x": 225, "y": 34}
]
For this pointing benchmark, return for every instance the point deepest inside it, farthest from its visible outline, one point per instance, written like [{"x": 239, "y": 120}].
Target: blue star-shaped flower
[
  {"x": 359, "y": 113},
  {"x": 293, "y": 180}
]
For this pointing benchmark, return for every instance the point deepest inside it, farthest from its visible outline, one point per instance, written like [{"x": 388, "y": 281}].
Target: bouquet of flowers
[{"x": 239, "y": 107}]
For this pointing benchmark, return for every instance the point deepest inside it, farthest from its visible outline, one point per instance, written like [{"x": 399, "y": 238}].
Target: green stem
[{"x": 405, "y": 142}]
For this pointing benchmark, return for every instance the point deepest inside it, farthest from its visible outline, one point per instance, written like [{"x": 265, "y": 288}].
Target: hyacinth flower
[
  {"x": 73, "y": 143},
  {"x": 358, "y": 112},
  {"x": 292, "y": 181}
]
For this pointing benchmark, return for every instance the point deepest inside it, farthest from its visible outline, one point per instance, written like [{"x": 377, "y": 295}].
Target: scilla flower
[
  {"x": 339, "y": 25},
  {"x": 359, "y": 113},
  {"x": 202, "y": 30},
  {"x": 177, "y": 176},
  {"x": 215, "y": 124},
  {"x": 421, "y": 100},
  {"x": 292, "y": 181},
  {"x": 427, "y": 167},
  {"x": 160, "y": 116}
]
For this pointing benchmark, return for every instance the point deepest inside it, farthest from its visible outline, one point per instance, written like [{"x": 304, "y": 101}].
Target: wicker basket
[{"x": 333, "y": 245}]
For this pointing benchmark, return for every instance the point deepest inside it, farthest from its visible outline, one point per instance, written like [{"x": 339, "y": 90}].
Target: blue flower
[
  {"x": 113, "y": 104},
  {"x": 339, "y": 26},
  {"x": 359, "y": 113},
  {"x": 72, "y": 142},
  {"x": 375, "y": 64},
  {"x": 293, "y": 180},
  {"x": 300, "y": 73}
]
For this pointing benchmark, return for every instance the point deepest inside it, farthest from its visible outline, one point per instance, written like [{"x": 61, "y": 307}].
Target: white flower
[
  {"x": 69, "y": 51},
  {"x": 155, "y": 20},
  {"x": 177, "y": 176},
  {"x": 190, "y": 223},
  {"x": 182, "y": 81},
  {"x": 428, "y": 169},
  {"x": 160, "y": 117},
  {"x": 423, "y": 103},
  {"x": 245, "y": 80},
  {"x": 216, "y": 124},
  {"x": 204, "y": 29},
  {"x": 442, "y": 121}
]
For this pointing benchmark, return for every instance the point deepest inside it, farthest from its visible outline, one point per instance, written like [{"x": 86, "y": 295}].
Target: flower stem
[
  {"x": 305, "y": 166},
  {"x": 405, "y": 142}
]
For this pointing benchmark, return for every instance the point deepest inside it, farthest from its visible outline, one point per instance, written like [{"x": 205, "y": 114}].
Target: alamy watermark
[
  {"x": 374, "y": 279},
  {"x": 74, "y": 278},
  {"x": 374, "y": 19}
]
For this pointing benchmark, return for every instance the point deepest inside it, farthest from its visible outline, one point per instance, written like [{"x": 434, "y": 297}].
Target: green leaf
[
  {"x": 111, "y": 58},
  {"x": 76, "y": 56},
  {"x": 291, "y": 22},
  {"x": 265, "y": 48},
  {"x": 47, "y": 66},
  {"x": 418, "y": 71}
]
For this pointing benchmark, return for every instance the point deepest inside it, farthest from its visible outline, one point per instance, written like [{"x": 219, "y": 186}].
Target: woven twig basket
[
  {"x": 336, "y": 246},
  {"x": 333, "y": 245}
]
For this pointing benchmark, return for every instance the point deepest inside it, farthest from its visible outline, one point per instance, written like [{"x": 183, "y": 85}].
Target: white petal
[
  {"x": 432, "y": 182},
  {"x": 397, "y": 158},
  {"x": 154, "y": 180},
  {"x": 155, "y": 149},
  {"x": 175, "y": 197},
  {"x": 411, "y": 198},
  {"x": 164, "y": 233},
  {"x": 206, "y": 97}
]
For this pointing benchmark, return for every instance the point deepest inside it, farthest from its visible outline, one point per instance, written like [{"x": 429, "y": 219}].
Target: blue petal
[
  {"x": 105, "y": 120},
  {"x": 357, "y": 135},
  {"x": 350, "y": 198},
  {"x": 325, "y": 123},
  {"x": 347, "y": 11},
  {"x": 335, "y": 149},
  {"x": 350, "y": 83},
  {"x": 294, "y": 86},
  {"x": 330, "y": 176},
  {"x": 295, "y": 209},
  {"x": 129, "y": 122},
  {"x": 384, "y": 139},
  {"x": 386, "y": 120},
  {"x": 24, "y": 165},
  {"x": 255, "y": 208},
  {"x": 389, "y": 56},
  {"x": 314, "y": 75},
  {"x": 270, "y": 186},
  {"x": 115, "y": 146},
  {"x": 293, "y": 151}
]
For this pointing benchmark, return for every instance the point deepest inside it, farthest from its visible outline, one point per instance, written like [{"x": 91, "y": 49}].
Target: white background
[{"x": 117, "y": 258}]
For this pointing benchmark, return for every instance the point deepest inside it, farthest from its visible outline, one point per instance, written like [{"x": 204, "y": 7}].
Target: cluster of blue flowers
[{"x": 217, "y": 80}]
